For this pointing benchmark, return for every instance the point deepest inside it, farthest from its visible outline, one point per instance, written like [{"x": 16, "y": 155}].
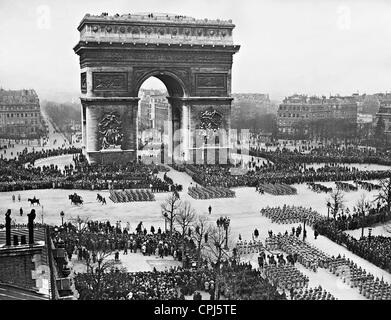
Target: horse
[
  {"x": 33, "y": 201},
  {"x": 101, "y": 199},
  {"x": 75, "y": 199}
]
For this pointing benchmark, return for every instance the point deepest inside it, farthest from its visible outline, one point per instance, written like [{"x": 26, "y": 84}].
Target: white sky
[{"x": 287, "y": 46}]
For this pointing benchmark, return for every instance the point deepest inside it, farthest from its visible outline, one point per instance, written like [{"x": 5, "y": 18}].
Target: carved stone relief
[
  {"x": 110, "y": 131},
  {"x": 83, "y": 82},
  {"x": 109, "y": 81}
]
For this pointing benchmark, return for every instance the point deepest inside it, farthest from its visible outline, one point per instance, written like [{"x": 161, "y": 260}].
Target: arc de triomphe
[{"x": 193, "y": 58}]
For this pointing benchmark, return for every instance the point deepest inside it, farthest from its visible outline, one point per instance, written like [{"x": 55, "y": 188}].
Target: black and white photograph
[{"x": 195, "y": 154}]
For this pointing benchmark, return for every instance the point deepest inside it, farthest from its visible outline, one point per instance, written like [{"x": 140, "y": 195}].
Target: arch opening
[{"x": 159, "y": 115}]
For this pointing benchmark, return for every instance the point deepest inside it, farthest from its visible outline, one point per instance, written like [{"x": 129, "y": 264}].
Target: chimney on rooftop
[
  {"x": 16, "y": 240},
  {"x": 30, "y": 226},
  {"x": 8, "y": 227}
]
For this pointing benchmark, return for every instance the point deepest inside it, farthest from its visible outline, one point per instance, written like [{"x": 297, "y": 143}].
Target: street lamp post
[
  {"x": 226, "y": 225},
  {"x": 224, "y": 222},
  {"x": 362, "y": 226},
  {"x": 328, "y": 209},
  {"x": 369, "y": 235},
  {"x": 62, "y": 217},
  {"x": 79, "y": 222},
  {"x": 363, "y": 211},
  {"x": 165, "y": 221},
  {"x": 304, "y": 231}
]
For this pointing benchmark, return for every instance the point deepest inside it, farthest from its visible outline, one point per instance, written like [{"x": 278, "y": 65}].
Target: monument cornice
[
  {"x": 98, "y": 45},
  {"x": 106, "y": 100},
  {"x": 201, "y": 99}
]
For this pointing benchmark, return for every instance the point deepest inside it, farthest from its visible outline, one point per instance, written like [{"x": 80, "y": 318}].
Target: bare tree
[
  {"x": 170, "y": 209},
  {"x": 82, "y": 223},
  {"x": 97, "y": 262},
  {"x": 185, "y": 217},
  {"x": 362, "y": 207},
  {"x": 385, "y": 193},
  {"x": 201, "y": 228},
  {"x": 217, "y": 238},
  {"x": 336, "y": 201}
]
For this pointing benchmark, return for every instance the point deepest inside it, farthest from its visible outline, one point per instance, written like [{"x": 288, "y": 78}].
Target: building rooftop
[
  {"x": 39, "y": 234},
  {"x": 304, "y": 99},
  {"x": 18, "y": 96},
  {"x": 8, "y": 292},
  {"x": 158, "y": 18}
]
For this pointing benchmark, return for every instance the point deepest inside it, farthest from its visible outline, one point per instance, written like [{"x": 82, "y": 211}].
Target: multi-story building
[
  {"x": 20, "y": 114},
  {"x": 152, "y": 105},
  {"x": 385, "y": 112},
  {"x": 152, "y": 114},
  {"x": 34, "y": 266},
  {"x": 298, "y": 110},
  {"x": 159, "y": 111},
  {"x": 248, "y": 109}
]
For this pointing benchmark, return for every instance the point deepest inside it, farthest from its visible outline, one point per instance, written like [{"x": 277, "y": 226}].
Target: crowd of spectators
[
  {"x": 279, "y": 173},
  {"x": 237, "y": 281},
  {"x": 325, "y": 154},
  {"x": 87, "y": 238},
  {"x": 21, "y": 174},
  {"x": 347, "y": 220}
]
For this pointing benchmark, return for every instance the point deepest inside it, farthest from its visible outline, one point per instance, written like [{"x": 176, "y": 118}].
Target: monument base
[{"x": 112, "y": 156}]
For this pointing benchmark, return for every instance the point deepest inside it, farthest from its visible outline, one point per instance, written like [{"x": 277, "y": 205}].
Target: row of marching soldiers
[{"x": 244, "y": 247}]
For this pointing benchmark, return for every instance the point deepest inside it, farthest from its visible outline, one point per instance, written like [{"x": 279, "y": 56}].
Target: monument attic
[{"x": 193, "y": 58}]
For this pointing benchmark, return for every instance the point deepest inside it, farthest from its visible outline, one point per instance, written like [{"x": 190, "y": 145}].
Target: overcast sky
[{"x": 287, "y": 46}]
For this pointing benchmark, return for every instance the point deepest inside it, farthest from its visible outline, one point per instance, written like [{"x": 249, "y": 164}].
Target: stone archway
[{"x": 193, "y": 58}]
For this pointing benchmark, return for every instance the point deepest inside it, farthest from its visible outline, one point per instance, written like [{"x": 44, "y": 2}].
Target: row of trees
[
  {"x": 325, "y": 129},
  {"x": 335, "y": 202},
  {"x": 63, "y": 114},
  {"x": 211, "y": 240}
]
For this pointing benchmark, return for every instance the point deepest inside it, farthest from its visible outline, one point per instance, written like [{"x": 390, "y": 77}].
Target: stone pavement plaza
[{"x": 242, "y": 210}]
